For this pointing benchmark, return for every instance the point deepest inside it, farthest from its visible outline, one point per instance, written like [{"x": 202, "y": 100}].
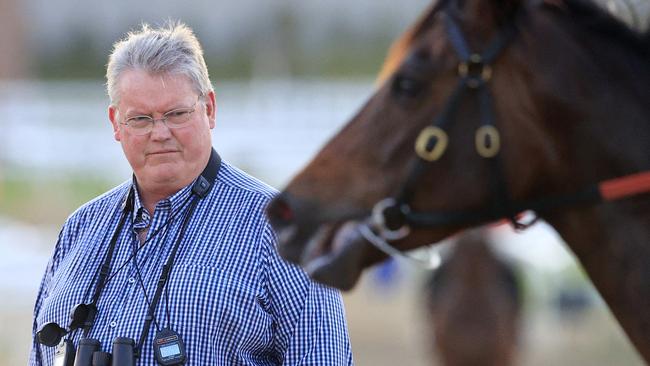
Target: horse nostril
[
  {"x": 280, "y": 212},
  {"x": 282, "y": 218}
]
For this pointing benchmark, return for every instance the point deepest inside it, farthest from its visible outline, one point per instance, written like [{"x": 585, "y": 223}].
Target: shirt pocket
[
  {"x": 218, "y": 314},
  {"x": 208, "y": 297}
]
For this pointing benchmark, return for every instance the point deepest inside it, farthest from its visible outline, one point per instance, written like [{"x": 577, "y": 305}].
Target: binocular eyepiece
[
  {"x": 89, "y": 353},
  {"x": 123, "y": 352},
  {"x": 85, "y": 351}
]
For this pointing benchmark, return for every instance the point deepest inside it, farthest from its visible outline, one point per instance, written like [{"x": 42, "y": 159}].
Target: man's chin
[
  {"x": 163, "y": 158},
  {"x": 161, "y": 174}
]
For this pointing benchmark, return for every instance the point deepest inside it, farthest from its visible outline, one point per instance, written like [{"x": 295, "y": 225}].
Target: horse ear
[{"x": 400, "y": 47}]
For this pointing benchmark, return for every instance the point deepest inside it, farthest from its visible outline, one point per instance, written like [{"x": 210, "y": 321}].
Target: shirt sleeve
[
  {"x": 310, "y": 318},
  {"x": 60, "y": 249},
  {"x": 43, "y": 291}
]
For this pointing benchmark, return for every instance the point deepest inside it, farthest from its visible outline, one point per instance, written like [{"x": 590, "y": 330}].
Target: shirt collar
[{"x": 174, "y": 203}]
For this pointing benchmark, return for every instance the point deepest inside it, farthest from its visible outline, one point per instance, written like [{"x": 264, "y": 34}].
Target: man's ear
[
  {"x": 113, "y": 117},
  {"x": 211, "y": 108}
]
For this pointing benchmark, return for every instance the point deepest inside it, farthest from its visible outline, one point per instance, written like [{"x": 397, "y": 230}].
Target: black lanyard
[{"x": 105, "y": 269}]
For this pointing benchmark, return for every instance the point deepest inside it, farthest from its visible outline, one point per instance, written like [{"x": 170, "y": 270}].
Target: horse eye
[{"x": 405, "y": 86}]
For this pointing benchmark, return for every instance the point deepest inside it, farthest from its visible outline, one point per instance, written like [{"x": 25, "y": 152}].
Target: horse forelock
[
  {"x": 399, "y": 49},
  {"x": 582, "y": 12},
  {"x": 396, "y": 55}
]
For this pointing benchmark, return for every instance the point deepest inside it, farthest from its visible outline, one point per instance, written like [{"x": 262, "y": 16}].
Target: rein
[{"x": 392, "y": 218}]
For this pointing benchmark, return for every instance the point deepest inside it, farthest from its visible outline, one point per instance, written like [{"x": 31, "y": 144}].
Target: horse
[
  {"x": 486, "y": 109},
  {"x": 473, "y": 301}
]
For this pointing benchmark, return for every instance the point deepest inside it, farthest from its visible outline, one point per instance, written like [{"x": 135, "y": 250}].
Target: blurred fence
[{"x": 269, "y": 127}]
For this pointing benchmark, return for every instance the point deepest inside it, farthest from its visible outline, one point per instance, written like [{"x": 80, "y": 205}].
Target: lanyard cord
[
  {"x": 137, "y": 269},
  {"x": 104, "y": 270},
  {"x": 153, "y": 304},
  {"x": 162, "y": 281},
  {"x": 152, "y": 236}
]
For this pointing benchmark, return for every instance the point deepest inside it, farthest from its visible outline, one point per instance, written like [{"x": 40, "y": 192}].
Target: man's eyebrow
[
  {"x": 177, "y": 108},
  {"x": 135, "y": 113}
]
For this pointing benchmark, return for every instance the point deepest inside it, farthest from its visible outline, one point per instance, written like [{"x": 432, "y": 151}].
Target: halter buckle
[
  {"x": 475, "y": 71},
  {"x": 434, "y": 152},
  {"x": 487, "y": 141}
]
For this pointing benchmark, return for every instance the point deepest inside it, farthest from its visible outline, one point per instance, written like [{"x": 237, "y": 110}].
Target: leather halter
[{"x": 393, "y": 218}]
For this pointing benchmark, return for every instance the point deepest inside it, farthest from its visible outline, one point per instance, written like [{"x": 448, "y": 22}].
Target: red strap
[{"x": 623, "y": 187}]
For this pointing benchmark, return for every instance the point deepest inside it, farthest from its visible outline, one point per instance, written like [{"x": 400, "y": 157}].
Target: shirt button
[
  {"x": 113, "y": 324},
  {"x": 131, "y": 280}
]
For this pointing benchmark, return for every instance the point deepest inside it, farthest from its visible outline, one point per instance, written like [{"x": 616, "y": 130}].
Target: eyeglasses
[{"x": 142, "y": 125}]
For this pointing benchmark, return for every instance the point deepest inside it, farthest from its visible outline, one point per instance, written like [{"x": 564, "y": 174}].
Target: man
[{"x": 178, "y": 265}]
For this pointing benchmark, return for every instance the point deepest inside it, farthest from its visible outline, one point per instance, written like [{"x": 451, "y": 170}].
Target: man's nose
[{"x": 159, "y": 130}]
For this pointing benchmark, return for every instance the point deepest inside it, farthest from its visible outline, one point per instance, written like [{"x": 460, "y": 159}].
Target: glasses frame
[{"x": 163, "y": 119}]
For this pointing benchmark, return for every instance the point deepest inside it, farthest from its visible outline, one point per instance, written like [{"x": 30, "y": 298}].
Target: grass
[{"x": 47, "y": 201}]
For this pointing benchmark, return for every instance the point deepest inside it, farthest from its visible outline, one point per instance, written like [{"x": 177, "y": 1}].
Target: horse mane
[
  {"x": 599, "y": 22},
  {"x": 584, "y": 13}
]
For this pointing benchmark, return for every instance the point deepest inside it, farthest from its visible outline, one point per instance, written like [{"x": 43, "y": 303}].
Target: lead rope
[{"x": 430, "y": 261}]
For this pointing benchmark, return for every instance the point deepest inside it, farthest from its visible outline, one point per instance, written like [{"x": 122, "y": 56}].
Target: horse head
[{"x": 483, "y": 107}]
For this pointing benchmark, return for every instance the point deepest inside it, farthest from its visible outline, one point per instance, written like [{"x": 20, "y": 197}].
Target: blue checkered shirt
[{"x": 232, "y": 299}]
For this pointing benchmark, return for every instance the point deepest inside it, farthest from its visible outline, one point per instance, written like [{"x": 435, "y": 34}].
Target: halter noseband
[{"x": 392, "y": 218}]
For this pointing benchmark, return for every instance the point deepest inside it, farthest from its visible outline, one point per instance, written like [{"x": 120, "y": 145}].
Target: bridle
[{"x": 392, "y": 218}]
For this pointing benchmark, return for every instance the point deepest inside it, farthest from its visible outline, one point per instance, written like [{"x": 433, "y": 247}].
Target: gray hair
[{"x": 172, "y": 49}]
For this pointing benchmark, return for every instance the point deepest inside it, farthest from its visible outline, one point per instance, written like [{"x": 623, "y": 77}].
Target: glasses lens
[
  {"x": 50, "y": 334},
  {"x": 140, "y": 125},
  {"x": 178, "y": 117},
  {"x": 139, "y": 122}
]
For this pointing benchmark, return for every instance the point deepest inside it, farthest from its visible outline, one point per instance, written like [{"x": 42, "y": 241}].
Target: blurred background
[{"x": 288, "y": 74}]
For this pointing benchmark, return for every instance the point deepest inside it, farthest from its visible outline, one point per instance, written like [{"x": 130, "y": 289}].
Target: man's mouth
[{"x": 162, "y": 152}]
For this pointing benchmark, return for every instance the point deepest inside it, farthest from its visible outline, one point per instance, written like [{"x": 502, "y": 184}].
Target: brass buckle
[
  {"x": 423, "y": 139},
  {"x": 481, "y": 138}
]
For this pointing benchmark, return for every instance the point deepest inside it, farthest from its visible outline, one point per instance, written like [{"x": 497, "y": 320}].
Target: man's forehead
[
  {"x": 135, "y": 80},
  {"x": 141, "y": 89}
]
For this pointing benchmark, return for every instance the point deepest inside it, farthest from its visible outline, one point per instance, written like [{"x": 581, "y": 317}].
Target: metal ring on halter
[
  {"x": 379, "y": 221},
  {"x": 473, "y": 81},
  {"x": 484, "y": 133},
  {"x": 422, "y": 142}
]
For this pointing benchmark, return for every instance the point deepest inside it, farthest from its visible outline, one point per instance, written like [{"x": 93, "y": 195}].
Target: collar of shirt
[{"x": 142, "y": 218}]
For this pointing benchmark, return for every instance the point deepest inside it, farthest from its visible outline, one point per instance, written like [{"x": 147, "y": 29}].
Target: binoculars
[{"x": 89, "y": 354}]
